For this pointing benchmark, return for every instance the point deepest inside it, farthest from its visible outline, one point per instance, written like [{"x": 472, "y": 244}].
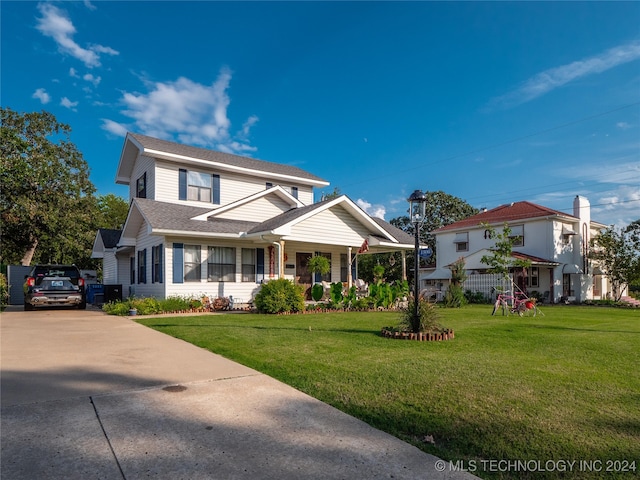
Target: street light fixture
[{"x": 417, "y": 209}]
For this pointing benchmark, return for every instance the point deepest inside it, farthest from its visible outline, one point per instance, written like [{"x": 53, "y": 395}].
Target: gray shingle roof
[
  {"x": 290, "y": 215},
  {"x": 224, "y": 158},
  {"x": 171, "y": 216},
  {"x": 395, "y": 232},
  {"x": 110, "y": 237},
  {"x": 285, "y": 217}
]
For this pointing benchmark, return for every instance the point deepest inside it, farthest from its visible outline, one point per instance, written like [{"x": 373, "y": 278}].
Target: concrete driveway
[{"x": 90, "y": 396}]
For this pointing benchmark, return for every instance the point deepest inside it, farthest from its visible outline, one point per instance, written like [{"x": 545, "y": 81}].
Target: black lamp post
[{"x": 417, "y": 207}]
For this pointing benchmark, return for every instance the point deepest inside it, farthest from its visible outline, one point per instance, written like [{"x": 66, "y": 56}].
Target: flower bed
[{"x": 446, "y": 334}]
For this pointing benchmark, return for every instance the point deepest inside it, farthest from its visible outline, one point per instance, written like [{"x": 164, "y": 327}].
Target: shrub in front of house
[{"x": 280, "y": 296}]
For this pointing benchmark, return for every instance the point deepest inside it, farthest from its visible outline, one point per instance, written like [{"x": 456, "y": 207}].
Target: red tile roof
[{"x": 509, "y": 213}]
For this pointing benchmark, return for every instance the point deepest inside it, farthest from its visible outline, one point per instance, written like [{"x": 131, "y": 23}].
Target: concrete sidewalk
[{"x": 89, "y": 396}]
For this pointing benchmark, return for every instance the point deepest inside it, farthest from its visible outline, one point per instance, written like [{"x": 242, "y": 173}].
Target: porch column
[
  {"x": 404, "y": 265},
  {"x": 281, "y": 260},
  {"x": 349, "y": 275}
]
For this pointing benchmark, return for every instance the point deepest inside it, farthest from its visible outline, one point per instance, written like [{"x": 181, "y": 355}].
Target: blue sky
[{"x": 492, "y": 102}]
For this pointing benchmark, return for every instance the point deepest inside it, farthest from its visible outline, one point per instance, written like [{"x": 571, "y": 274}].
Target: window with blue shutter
[
  {"x": 178, "y": 263},
  {"x": 198, "y": 187}
]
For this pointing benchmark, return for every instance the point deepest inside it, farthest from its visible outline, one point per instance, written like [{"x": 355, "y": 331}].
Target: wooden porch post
[
  {"x": 281, "y": 260},
  {"x": 404, "y": 265},
  {"x": 349, "y": 275}
]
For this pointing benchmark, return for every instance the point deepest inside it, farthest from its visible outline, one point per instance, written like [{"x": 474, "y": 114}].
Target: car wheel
[
  {"x": 82, "y": 306},
  {"x": 27, "y": 307}
]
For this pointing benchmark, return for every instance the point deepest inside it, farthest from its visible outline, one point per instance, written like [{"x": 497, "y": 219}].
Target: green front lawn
[{"x": 564, "y": 386}]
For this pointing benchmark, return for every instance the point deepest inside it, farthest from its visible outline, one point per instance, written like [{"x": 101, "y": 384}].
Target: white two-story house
[
  {"x": 203, "y": 222},
  {"x": 555, "y": 243}
]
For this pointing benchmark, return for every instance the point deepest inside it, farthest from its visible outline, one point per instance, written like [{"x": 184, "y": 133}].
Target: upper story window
[
  {"x": 462, "y": 242},
  {"x": 141, "y": 186},
  {"x": 294, "y": 192},
  {"x": 199, "y": 186},
  {"x": 517, "y": 235}
]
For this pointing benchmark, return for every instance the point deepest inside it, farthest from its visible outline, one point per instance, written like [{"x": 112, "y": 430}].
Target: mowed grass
[{"x": 563, "y": 386}]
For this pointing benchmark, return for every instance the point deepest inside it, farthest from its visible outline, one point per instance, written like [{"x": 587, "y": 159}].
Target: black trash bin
[{"x": 112, "y": 293}]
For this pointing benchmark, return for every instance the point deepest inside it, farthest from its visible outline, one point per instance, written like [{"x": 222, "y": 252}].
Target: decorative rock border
[{"x": 420, "y": 337}]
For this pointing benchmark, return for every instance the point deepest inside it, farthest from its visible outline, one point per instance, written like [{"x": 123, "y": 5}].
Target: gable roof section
[
  {"x": 165, "y": 218},
  {"x": 508, "y": 213},
  {"x": 105, "y": 239},
  {"x": 136, "y": 144},
  {"x": 277, "y": 190},
  {"x": 381, "y": 232},
  {"x": 400, "y": 235},
  {"x": 109, "y": 237}
]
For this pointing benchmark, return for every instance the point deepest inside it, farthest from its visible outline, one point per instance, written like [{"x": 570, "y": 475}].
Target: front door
[{"x": 303, "y": 275}]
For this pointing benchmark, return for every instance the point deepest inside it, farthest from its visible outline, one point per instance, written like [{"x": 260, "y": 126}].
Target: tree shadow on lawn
[
  {"x": 558, "y": 327},
  {"x": 311, "y": 328}
]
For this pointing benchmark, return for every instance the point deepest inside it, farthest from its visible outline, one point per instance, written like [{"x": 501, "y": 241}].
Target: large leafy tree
[
  {"x": 47, "y": 203},
  {"x": 112, "y": 211},
  {"x": 617, "y": 254},
  {"x": 441, "y": 209}
]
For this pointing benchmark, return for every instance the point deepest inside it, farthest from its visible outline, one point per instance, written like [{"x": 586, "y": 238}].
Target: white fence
[{"x": 487, "y": 283}]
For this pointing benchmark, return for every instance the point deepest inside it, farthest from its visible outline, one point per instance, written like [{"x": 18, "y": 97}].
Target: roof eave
[{"x": 174, "y": 157}]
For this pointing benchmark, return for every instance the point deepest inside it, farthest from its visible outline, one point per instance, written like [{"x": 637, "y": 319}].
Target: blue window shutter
[
  {"x": 182, "y": 188},
  {"x": 160, "y": 262},
  {"x": 215, "y": 189},
  {"x": 259, "y": 265},
  {"x": 178, "y": 263}
]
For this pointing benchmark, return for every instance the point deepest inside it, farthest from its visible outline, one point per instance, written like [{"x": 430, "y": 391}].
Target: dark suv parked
[{"x": 53, "y": 286}]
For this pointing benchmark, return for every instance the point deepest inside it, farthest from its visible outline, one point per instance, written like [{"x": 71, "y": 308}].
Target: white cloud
[
  {"x": 73, "y": 73},
  {"x": 114, "y": 127},
  {"x": 65, "y": 102},
  {"x": 92, "y": 79},
  {"x": 623, "y": 125},
  {"x": 619, "y": 207},
  {"x": 377, "y": 211},
  {"x": 548, "y": 80},
  {"x": 42, "y": 95},
  {"x": 193, "y": 113},
  {"x": 55, "y": 24}
]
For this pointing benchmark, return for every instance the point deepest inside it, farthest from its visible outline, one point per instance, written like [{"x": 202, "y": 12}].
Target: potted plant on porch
[{"x": 318, "y": 264}]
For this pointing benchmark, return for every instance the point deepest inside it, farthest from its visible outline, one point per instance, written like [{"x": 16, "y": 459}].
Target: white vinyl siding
[
  {"x": 259, "y": 210},
  {"x": 233, "y": 186},
  {"x": 142, "y": 166},
  {"x": 109, "y": 268},
  {"x": 244, "y": 291},
  {"x": 148, "y": 289},
  {"x": 335, "y": 226}
]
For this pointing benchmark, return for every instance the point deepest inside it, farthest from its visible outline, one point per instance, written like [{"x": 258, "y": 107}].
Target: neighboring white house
[
  {"x": 203, "y": 222},
  {"x": 554, "y": 242}
]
